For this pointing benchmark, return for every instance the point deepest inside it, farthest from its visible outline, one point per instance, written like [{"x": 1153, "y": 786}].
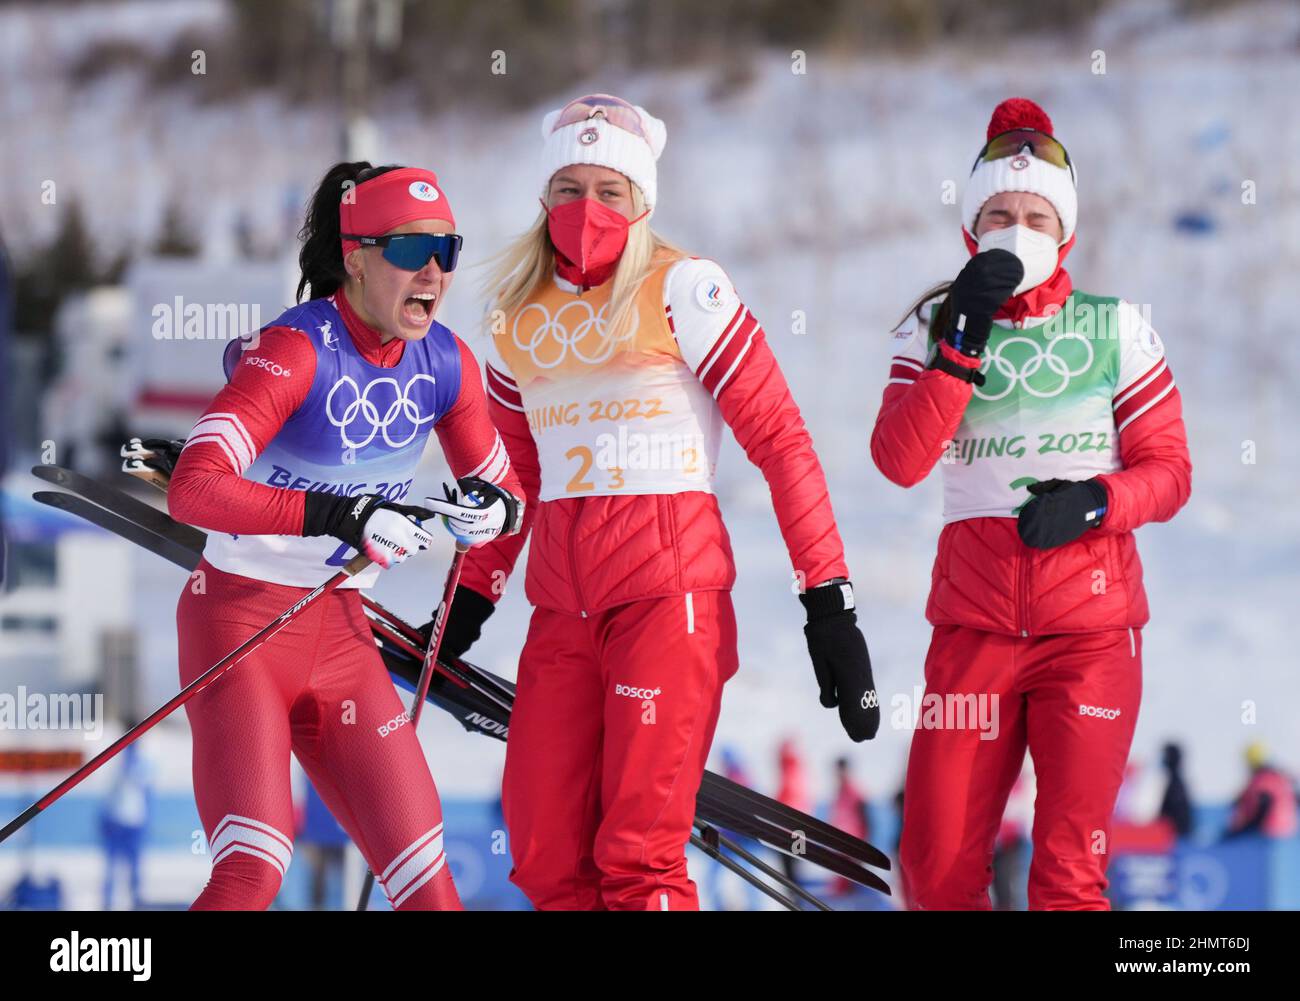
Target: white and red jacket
[
  {"x": 317, "y": 402},
  {"x": 1085, "y": 391},
  {"x": 618, "y": 439}
]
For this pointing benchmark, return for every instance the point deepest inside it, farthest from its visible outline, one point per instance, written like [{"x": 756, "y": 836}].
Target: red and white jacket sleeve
[
  {"x": 921, "y": 408},
  {"x": 723, "y": 343},
  {"x": 488, "y": 567},
  {"x": 207, "y": 487},
  {"x": 1157, "y": 476}
]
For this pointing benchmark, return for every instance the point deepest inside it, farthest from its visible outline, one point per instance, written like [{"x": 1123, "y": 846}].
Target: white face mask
[{"x": 1037, "y": 251}]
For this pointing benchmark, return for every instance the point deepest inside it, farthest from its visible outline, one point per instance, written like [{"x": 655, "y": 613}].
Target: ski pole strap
[{"x": 963, "y": 373}]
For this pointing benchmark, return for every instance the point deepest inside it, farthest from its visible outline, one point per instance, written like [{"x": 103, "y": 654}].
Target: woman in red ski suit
[
  {"x": 1058, "y": 429},
  {"x": 301, "y": 461},
  {"x": 613, "y": 362}
]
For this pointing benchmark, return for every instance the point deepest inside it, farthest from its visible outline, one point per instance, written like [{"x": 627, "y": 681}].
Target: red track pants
[
  {"x": 1072, "y": 700},
  {"x": 608, "y": 740},
  {"x": 319, "y": 689}
]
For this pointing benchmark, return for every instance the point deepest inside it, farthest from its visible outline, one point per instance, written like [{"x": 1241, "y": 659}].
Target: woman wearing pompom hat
[
  {"x": 303, "y": 460},
  {"x": 614, "y": 360},
  {"x": 1058, "y": 429}
]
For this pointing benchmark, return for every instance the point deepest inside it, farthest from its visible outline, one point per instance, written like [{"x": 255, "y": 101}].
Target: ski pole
[
  {"x": 711, "y": 841},
  {"x": 426, "y": 674},
  {"x": 353, "y": 567},
  {"x": 135, "y": 462},
  {"x": 708, "y": 842}
]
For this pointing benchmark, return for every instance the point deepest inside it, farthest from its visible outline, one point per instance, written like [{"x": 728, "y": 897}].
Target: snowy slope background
[{"x": 823, "y": 193}]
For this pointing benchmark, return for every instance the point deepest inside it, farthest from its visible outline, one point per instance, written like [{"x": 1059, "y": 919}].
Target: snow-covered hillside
[{"x": 824, "y": 194}]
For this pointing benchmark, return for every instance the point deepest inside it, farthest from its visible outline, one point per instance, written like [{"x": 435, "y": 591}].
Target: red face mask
[{"x": 590, "y": 238}]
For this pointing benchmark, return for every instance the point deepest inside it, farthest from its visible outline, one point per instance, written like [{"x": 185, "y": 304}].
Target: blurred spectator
[
  {"x": 1176, "y": 804},
  {"x": 323, "y": 841},
  {"x": 1135, "y": 804},
  {"x": 1011, "y": 849},
  {"x": 849, "y": 812},
  {"x": 1267, "y": 806},
  {"x": 898, "y": 839},
  {"x": 733, "y": 768},
  {"x": 793, "y": 792},
  {"x": 123, "y": 820}
]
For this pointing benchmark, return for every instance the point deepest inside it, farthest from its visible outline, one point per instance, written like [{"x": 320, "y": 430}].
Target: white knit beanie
[
  {"x": 1021, "y": 172},
  {"x": 598, "y": 141}
]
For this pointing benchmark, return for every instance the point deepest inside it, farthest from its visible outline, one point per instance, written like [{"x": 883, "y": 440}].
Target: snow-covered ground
[{"x": 824, "y": 193}]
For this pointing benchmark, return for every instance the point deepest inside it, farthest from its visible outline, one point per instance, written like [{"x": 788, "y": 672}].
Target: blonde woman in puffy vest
[{"x": 613, "y": 363}]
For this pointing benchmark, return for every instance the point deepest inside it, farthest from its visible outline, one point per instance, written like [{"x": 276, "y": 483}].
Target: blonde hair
[{"x": 516, "y": 272}]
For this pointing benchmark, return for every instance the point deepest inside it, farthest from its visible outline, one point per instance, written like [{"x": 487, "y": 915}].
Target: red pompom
[{"x": 1018, "y": 113}]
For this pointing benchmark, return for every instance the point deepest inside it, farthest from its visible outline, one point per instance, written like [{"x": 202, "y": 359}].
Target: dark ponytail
[
  {"x": 321, "y": 258},
  {"x": 939, "y": 317}
]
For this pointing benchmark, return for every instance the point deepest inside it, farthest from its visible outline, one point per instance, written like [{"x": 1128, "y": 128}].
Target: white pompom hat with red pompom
[{"x": 1021, "y": 173}]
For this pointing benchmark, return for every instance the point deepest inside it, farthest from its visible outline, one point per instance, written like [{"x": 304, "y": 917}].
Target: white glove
[
  {"x": 390, "y": 536},
  {"x": 482, "y": 513}
]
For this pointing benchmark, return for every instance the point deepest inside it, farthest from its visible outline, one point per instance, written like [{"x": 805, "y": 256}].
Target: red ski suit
[
  {"x": 317, "y": 688},
  {"x": 633, "y": 635},
  {"x": 1045, "y": 643}
]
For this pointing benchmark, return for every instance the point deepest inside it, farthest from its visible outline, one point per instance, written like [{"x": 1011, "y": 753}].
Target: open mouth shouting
[{"x": 417, "y": 309}]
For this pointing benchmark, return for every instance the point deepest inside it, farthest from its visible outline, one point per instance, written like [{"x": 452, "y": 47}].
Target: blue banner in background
[{"x": 1247, "y": 873}]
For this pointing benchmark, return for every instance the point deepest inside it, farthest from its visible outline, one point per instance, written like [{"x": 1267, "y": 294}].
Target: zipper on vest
[
  {"x": 1022, "y": 606},
  {"x": 573, "y": 568}
]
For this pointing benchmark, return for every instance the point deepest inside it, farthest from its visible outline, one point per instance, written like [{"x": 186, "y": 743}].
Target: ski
[
  {"x": 123, "y": 504},
  {"x": 170, "y": 550},
  {"x": 163, "y": 525},
  {"x": 793, "y": 842},
  {"x": 716, "y": 788},
  {"x": 481, "y": 701}
]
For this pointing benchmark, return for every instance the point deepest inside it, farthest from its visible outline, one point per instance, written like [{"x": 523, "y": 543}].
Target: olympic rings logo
[
  {"x": 361, "y": 406},
  {"x": 996, "y": 367},
  {"x": 586, "y": 335}
]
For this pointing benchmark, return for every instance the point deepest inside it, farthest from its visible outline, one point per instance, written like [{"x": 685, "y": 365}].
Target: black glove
[
  {"x": 469, "y": 610},
  {"x": 840, "y": 659},
  {"x": 165, "y": 453},
  {"x": 1061, "y": 511},
  {"x": 979, "y": 290}
]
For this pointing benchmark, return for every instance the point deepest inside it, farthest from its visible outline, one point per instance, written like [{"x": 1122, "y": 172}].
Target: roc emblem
[{"x": 708, "y": 293}]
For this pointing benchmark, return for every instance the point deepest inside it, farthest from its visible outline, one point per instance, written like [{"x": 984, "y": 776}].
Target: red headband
[{"x": 383, "y": 203}]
